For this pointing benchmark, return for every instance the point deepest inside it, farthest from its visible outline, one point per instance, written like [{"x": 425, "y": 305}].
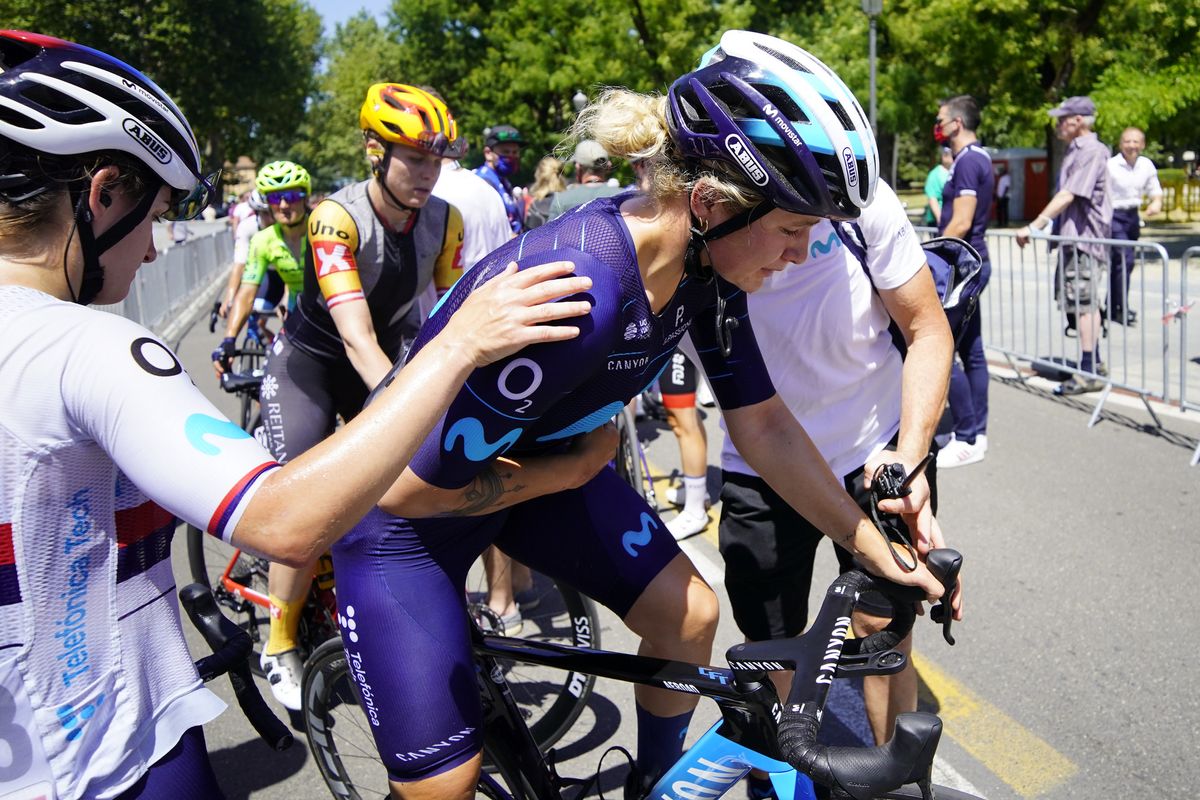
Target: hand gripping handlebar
[
  {"x": 822, "y": 653},
  {"x": 231, "y": 650}
]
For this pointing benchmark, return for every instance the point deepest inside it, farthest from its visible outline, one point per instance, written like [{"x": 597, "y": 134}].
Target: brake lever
[{"x": 945, "y": 565}]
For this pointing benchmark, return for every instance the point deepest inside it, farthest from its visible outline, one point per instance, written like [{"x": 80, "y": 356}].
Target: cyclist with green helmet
[{"x": 278, "y": 248}]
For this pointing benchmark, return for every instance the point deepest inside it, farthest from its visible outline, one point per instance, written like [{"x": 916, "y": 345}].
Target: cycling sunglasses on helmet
[
  {"x": 290, "y": 195},
  {"x": 188, "y": 203}
]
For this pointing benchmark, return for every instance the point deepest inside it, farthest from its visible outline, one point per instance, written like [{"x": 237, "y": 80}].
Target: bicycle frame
[{"x": 712, "y": 766}]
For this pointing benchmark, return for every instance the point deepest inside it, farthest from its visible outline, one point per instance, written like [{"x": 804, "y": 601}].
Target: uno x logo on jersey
[{"x": 333, "y": 237}]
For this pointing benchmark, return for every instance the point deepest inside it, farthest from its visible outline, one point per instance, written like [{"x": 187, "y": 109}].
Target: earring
[{"x": 703, "y": 225}]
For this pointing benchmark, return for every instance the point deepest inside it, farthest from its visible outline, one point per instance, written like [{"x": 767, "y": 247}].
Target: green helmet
[{"x": 280, "y": 175}]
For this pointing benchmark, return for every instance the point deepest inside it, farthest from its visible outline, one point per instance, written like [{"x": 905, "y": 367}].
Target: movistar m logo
[
  {"x": 851, "y": 166},
  {"x": 738, "y": 148},
  {"x": 825, "y": 247},
  {"x": 637, "y": 539},
  {"x": 476, "y": 447},
  {"x": 199, "y": 427}
]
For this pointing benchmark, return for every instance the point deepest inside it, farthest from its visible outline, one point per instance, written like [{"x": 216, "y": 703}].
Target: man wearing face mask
[{"x": 502, "y": 160}]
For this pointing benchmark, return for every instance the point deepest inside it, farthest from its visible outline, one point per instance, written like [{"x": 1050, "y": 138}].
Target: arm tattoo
[{"x": 484, "y": 492}]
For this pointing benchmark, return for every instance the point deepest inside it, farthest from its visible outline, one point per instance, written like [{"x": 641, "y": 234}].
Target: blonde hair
[
  {"x": 633, "y": 126},
  {"x": 547, "y": 178}
]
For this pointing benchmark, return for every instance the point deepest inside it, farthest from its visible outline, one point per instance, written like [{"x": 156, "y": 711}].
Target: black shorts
[
  {"x": 678, "y": 382},
  {"x": 769, "y": 550}
]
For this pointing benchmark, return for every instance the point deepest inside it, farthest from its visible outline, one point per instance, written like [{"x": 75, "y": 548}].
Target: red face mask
[{"x": 938, "y": 136}]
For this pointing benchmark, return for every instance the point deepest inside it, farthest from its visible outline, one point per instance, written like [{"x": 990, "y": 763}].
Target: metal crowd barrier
[
  {"x": 1023, "y": 322},
  {"x": 162, "y": 289},
  {"x": 1189, "y": 352}
]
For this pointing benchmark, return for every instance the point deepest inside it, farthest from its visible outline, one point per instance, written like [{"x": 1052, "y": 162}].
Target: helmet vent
[
  {"x": 11, "y": 117},
  {"x": 782, "y": 101},
  {"x": 58, "y": 104},
  {"x": 791, "y": 62},
  {"x": 840, "y": 112}
]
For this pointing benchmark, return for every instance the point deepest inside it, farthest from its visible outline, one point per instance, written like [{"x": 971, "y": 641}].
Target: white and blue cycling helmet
[{"x": 783, "y": 119}]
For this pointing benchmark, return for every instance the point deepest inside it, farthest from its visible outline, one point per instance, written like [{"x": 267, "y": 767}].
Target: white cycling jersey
[{"x": 104, "y": 441}]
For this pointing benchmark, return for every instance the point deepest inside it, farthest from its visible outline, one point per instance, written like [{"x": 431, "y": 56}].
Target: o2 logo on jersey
[
  {"x": 632, "y": 541},
  {"x": 331, "y": 259},
  {"x": 154, "y": 357},
  {"x": 475, "y": 445},
  {"x": 200, "y": 427},
  {"x": 520, "y": 394}
]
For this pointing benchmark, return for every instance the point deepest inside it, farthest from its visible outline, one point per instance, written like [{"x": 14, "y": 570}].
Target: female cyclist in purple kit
[
  {"x": 105, "y": 441},
  {"x": 744, "y": 155}
]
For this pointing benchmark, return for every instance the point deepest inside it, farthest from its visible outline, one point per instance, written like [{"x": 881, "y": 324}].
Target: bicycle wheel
[
  {"x": 629, "y": 459},
  {"x": 236, "y": 579},
  {"x": 550, "y": 700},
  {"x": 338, "y": 732}
]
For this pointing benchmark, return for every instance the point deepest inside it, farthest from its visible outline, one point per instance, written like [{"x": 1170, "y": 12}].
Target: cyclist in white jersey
[
  {"x": 242, "y": 235},
  {"x": 105, "y": 440}
]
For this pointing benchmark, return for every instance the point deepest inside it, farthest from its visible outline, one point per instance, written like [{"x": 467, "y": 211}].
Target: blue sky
[{"x": 335, "y": 11}]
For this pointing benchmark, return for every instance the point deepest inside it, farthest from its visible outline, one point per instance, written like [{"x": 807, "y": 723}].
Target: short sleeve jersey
[
  {"x": 971, "y": 175},
  {"x": 270, "y": 252},
  {"x": 104, "y": 443},
  {"x": 354, "y": 257},
  {"x": 546, "y": 394},
  {"x": 241, "y": 238},
  {"x": 824, "y": 335},
  {"x": 1084, "y": 173}
]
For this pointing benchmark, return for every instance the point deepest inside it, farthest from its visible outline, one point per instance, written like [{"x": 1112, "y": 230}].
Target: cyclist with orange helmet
[{"x": 374, "y": 248}]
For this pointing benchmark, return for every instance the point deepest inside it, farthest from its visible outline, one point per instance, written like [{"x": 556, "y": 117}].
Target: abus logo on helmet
[
  {"x": 738, "y": 149},
  {"x": 148, "y": 140},
  {"x": 851, "y": 166}
]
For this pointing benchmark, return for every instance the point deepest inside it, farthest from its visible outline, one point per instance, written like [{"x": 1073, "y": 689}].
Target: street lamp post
[{"x": 872, "y": 8}]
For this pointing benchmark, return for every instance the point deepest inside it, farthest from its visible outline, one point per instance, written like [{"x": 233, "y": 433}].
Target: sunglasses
[
  {"x": 187, "y": 204},
  {"x": 290, "y": 195}
]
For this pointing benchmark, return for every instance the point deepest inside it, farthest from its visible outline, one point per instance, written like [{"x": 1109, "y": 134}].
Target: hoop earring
[{"x": 703, "y": 225}]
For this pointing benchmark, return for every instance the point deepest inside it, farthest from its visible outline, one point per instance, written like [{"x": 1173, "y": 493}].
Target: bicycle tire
[
  {"x": 208, "y": 557},
  {"x": 629, "y": 461},
  {"x": 337, "y": 726},
  {"x": 567, "y": 616}
]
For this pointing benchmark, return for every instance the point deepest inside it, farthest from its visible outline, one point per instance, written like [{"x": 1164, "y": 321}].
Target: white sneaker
[
  {"x": 283, "y": 671},
  {"x": 677, "y": 496},
  {"x": 981, "y": 441},
  {"x": 959, "y": 454},
  {"x": 687, "y": 524}
]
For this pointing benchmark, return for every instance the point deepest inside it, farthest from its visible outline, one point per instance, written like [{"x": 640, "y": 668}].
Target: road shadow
[
  {"x": 1086, "y": 403},
  {"x": 270, "y": 767}
]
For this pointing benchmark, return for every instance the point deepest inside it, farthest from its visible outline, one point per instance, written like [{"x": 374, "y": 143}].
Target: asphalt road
[{"x": 1072, "y": 676}]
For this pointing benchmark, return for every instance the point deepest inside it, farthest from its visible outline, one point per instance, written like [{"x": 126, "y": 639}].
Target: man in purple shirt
[
  {"x": 966, "y": 204},
  {"x": 1085, "y": 207}
]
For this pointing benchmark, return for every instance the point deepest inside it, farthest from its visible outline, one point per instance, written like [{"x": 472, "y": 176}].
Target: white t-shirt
[
  {"x": 104, "y": 441},
  {"x": 241, "y": 238},
  {"x": 485, "y": 222},
  {"x": 823, "y": 333},
  {"x": 240, "y": 212}
]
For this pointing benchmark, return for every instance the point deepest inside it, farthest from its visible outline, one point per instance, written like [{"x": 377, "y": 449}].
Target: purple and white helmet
[
  {"x": 63, "y": 99},
  {"x": 783, "y": 119}
]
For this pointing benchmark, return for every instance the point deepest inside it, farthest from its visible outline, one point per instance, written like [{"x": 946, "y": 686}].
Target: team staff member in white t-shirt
[{"x": 823, "y": 331}]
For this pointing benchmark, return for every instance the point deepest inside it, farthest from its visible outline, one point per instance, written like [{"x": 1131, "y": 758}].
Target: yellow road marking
[{"x": 1012, "y": 753}]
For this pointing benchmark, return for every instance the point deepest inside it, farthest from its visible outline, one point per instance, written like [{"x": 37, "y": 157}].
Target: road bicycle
[{"x": 756, "y": 730}]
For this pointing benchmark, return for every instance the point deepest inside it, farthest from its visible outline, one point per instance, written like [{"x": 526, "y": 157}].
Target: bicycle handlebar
[
  {"x": 231, "y": 649},
  {"x": 820, "y": 654}
]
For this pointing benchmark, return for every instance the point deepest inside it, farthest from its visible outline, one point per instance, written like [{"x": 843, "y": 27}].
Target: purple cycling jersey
[{"x": 548, "y": 393}]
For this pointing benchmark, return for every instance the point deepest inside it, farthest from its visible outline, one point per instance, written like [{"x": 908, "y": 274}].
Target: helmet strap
[
  {"x": 381, "y": 176},
  {"x": 91, "y": 246}
]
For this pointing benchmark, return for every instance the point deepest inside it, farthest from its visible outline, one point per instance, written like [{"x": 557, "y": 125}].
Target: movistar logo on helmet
[
  {"x": 782, "y": 125},
  {"x": 741, "y": 151},
  {"x": 142, "y": 135},
  {"x": 851, "y": 166}
]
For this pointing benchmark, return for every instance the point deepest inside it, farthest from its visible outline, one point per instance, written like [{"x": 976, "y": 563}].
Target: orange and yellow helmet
[{"x": 412, "y": 117}]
